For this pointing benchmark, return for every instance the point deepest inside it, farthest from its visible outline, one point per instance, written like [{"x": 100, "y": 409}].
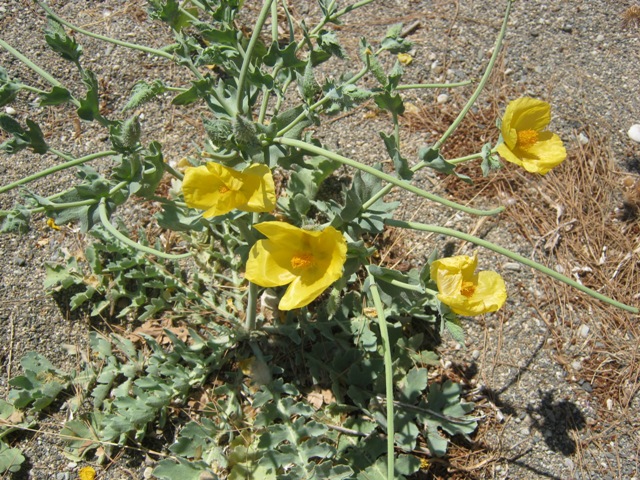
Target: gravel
[{"x": 541, "y": 419}]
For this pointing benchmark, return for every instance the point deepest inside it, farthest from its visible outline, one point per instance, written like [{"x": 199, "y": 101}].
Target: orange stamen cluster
[
  {"x": 468, "y": 289},
  {"x": 301, "y": 260},
  {"x": 527, "y": 138}
]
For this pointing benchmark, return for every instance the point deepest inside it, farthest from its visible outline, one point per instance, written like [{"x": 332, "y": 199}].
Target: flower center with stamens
[
  {"x": 223, "y": 189},
  {"x": 527, "y": 138},
  {"x": 468, "y": 289},
  {"x": 301, "y": 260}
]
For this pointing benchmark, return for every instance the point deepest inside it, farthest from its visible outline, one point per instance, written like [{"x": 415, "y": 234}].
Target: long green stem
[
  {"x": 413, "y": 86},
  {"x": 383, "y": 176},
  {"x": 133, "y": 46},
  {"x": 458, "y": 160},
  {"x": 43, "y": 73},
  {"x": 483, "y": 81},
  {"x": 55, "y": 168},
  {"x": 388, "y": 375},
  {"x": 252, "y": 301},
  {"x": 246, "y": 63},
  {"x": 514, "y": 256},
  {"x": 104, "y": 218}
]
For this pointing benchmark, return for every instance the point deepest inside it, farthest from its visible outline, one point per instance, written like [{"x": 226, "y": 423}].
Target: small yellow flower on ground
[
  {"x": 51, "y": 223},
  {"x": 87, "y": 473},
  {"x": 405, "y": 58},
  {"x": 306, "y": 260},
  {"x": 526, "y": 142},
  {"x": 465, "y": 291},
  {"x": 217, "y": 189}
]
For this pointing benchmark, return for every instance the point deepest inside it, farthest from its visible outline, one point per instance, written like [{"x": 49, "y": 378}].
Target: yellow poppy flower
[
  {"x": 217, "y": 189},
  {"x": 464, "y": 291},
  {"x": 87, "y": 473},
  {"x": 526, "y": 142},
  {"x": 306, "y": 260}
]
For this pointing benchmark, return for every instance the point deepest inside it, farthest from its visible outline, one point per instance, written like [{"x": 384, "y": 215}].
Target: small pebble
[
  {"x": 512, "y": 266},
  {"x": 10, "y": 110},
  {"x": 586, "y": 386},
  {"x": 475, "y": 354},
  {"x": 583, "y": 139},
  {"x": 576, "y": 365},
  {"x": 442, "y": 98},
  {"x": 148, "y": 472},
  {"x": 634, "y": 132},
  {"x": 599, "y": 38},
  {"x": 21, "y": 262},
  {"x": 62, "y": 476},
  {"x": 584, "y": 331},
  {"x": 72, "y": 466}
]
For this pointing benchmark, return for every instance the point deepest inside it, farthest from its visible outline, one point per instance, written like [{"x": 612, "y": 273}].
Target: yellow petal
[
  {"x": 463, "y": 264},
  {"x": 303, "y": 290},
  {"x": 505, "y": 152},
  {"x": 259, "y": 188},
  {"x": 528, "y": 113},
  {"x": 265, "y": 269},
  {"x": 284, "y": 234},
  {"x": 548, "y": 152},
  {"x": 491, "y": 291},
  {"x": 201, "y": 188}
]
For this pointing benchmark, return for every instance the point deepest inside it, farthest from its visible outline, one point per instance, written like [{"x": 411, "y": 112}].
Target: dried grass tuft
[{"x": 631, "y": 17}]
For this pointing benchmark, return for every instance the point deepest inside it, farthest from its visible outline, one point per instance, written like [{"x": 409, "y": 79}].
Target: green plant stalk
[
  {"x": 383, "y": 176},
  {"x": 274, "y": 21},
  {"x": 458, "y": 160},
  {"x": 173, "y": 171},
  {"x": 483, "y": 81},
  {"x": 43, "y": 73},
  {"x": 413, "y": 86},
  {"x": 514, "y": 256},
  {"x": 252, "y": 302},
  {"x": 246, "y": 62},
  {"x": 133, "y": 46},
  {"x": 31, "y": 89},
  {"x": 485, "y": 77},
  {"x": 388, "y": 374},
  {"x": 56, "y": 168},
  {"x": 104, "y": 218}
]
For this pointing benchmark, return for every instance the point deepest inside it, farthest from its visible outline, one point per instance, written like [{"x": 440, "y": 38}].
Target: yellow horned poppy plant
[
  {"x": 526, "y": 142},
  {"x": 306, "y": 260},
  {"x": 465, "y": 291},
  {"x": 217, "y": 189}
]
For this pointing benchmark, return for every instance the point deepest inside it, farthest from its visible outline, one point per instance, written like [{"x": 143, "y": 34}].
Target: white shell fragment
[
  {"x": 634, "y": 133},
  {"x": 583, "y": 139},
  {"x": 10, "y": 110}
]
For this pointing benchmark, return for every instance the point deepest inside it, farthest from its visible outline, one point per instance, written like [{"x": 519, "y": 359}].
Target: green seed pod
[{"x": 220, "y": 131}]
